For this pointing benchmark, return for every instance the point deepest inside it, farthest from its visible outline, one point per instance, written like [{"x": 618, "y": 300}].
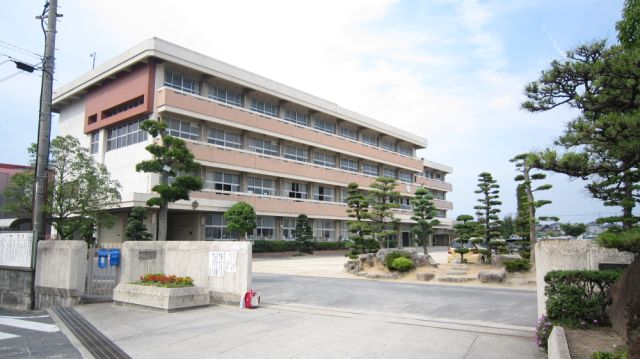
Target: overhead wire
[{"x": 12, "y": 47}]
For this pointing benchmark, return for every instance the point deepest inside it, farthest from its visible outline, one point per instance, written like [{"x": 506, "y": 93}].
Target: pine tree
[
  {"x": 358, "y": 209},
  {"x": 136, "y": 229},
  {"x": 303, "y": 234},
  {"x": 530, "y": 205},
  {"x": 381, "y": 199},
  {"x": 424, "y": 212},
  {"x": 170, "y": 157},
  {"x": 487, "y": 210},
  {"x": 465, "y": 229}
]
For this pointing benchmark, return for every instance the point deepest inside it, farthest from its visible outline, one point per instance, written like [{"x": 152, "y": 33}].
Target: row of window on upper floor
[
  {"x": 130, "y": 133},
  {"x": 221, "y": 180},
  {"x": 183, "y": 83},
  {"x": 227, "y": 138}
]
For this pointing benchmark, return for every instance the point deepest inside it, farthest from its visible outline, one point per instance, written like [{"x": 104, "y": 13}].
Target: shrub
[
  {"x": 265, "y": 246},
  {"x": 323, "y": 246},
  {"x": 402, "y": 264},
  {"x": 517, "y": 265},
  {"x": 391, "y": 256},
  {"x": 167, "y": 281},
  {"x": 543, "y": 331},
  {"x": 352, "y": 256},
  {"x": 525, "y": 254},
  {"x": 619, "y": 353},
  {"x": 577, "y": 298}
]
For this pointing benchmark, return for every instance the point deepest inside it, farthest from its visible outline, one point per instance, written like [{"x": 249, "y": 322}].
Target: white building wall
[
  {"x": 72, "y": 123},
  {"x": 121, "y": 164}
]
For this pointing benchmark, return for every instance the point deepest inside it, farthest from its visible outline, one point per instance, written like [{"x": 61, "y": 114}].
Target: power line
[{"x": 20, "y": 49}]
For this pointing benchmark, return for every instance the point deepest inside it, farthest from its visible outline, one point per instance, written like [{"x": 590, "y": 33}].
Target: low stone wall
[
  {"x": 15, "y": 288},
  {"x": 557, "y": 344},
  {"x": 571, "y": 254},
  {"x": 60, "y": 273},
  {"x": 223, "y": 268},
  {"x": 164, "y": 299}
]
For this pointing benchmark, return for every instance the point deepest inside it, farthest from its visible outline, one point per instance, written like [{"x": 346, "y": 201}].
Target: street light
[{"x": 19, "y": 64}]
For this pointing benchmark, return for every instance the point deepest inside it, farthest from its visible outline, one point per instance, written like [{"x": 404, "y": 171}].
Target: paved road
[
  {"x": 505, "y": 306},
  {"x": 33, "y": 335}
]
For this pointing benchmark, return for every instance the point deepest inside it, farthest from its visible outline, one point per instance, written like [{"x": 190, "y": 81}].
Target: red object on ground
[{"x": 251, "y": 299}]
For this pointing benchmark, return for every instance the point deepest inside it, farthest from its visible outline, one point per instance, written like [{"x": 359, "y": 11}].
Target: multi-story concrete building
[{"x": 281, "y": 150}]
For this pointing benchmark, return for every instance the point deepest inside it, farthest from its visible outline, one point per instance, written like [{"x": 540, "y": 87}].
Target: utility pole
[{"x": 44, "y": 132}]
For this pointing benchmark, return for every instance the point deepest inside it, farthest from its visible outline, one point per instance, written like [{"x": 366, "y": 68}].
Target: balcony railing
[{"x": 238, "y": 115}]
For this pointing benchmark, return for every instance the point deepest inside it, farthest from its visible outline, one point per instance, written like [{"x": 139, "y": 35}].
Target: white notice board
[
  {"x": 221, "y": 262},
  {"x": 15, "y": 249}
]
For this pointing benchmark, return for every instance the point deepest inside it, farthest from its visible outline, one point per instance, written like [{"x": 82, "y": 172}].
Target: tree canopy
[
  {"x": 424, "y": 212},
  {"x": 358, "y": 210},
  {"x": 487, "y": 210},
  {"x": 81, "y": 191},
  {"x": 381, "y": 198},
  {"x": 241, "y": 218},
  {"x": 171, "y": 158}
]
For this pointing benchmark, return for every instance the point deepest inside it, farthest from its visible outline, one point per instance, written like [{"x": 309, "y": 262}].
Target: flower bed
[
  {"x": 166, "y": 281},
  {"x": 162, "y": 292}
]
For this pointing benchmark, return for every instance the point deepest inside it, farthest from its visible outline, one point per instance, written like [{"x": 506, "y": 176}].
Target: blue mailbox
[
  {"x": 102, "y": 258},
  {"x": 114, "y": 257}
]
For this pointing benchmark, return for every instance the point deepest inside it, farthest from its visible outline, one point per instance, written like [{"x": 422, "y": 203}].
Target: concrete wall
[
  {"x": 15, "y": 288},
  {"x": 60, "y": 273},
  {"x": 570, "y": 254},
  {"x": 190, "y": 258}
]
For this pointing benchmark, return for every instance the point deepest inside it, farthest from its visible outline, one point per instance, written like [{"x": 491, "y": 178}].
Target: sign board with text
[{"x": 15, "y": 249}]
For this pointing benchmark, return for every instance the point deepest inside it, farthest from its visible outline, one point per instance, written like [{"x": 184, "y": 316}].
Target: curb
[{"x": 557, "y": 344}]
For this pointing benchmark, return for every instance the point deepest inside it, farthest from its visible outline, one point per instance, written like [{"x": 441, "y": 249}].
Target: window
[
  {"x": 324, "y": 229},
  {"x": 288, "y": 227},
  {"x": 439, "y": 195},
  {"x": 95, "y": 141},
  {"x": 344, "y": 231},
  {"x": 296, "y": 190},
  {"x": 222, "y": 181},
  {"x": 370, "y": 169},
  {"x": 182, "y": 129},
  {"x": 349, "y": 164},
  {"x": 344, "y": 195},
  {"x": 264, "y": 107},
  {"x": 261, "y": 186},
  {"x": 405, "y": 202},
  {"x": 265, "y": 228},
  {"x": 215, "y": 228},
  {"x": 441, "y": 214},
  {"x": 263, "y": 146},
  {"x": 224, "y": 95},
  {"x": 370, "y": 139},
  {"x": 349, "y": 133},
  {"x": 296, "y": 153},
  {"x": 323, "y": 193},
  {"x": 388, "y": 145},
  {"x": 224, "y": 138},
  {"x": 388, "y": 172},
  {"x": 323, "y": 159},
  {"x": 296, "y": 117},
  {"x": 324, "y": 125},
  {"x": 125, "y": 135},
  {"x": 123, "y": 107},
  {"x": 406, "y": 150},
  {"x": 405, "y": 176},
  {"x": 180, "y": 82}
]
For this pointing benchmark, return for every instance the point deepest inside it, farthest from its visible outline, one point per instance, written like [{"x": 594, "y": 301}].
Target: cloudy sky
[{"x": 449, "y": 70}]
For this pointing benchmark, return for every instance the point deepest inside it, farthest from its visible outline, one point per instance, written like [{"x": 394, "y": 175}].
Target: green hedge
[
  {"x": 577, "y": 298},
  {"x": 265, "y": 246},
  {"x": 402, "y": 264},
  {"x": 391, "y": 256},
  {"x": 517, "y": 265}
]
